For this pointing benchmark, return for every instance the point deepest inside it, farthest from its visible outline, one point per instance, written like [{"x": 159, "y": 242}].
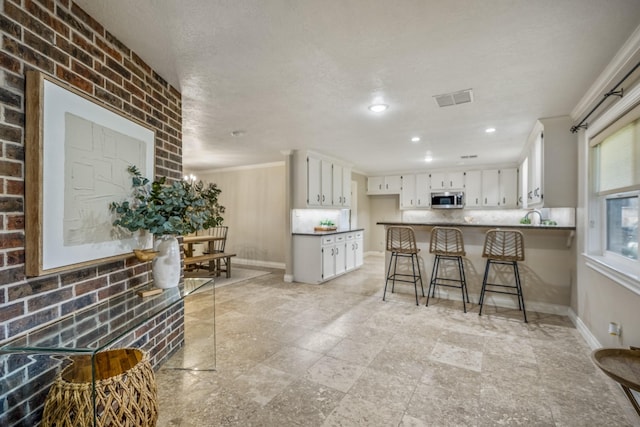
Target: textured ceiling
[{"x": 300, "y": 74}]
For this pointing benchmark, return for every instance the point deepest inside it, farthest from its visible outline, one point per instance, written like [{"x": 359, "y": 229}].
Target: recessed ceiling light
[
  {"x": 378, "y": 108},
  {"x": 490, "y": 130},
  {"x": 428, "y": 159},
  {"x": 415, "y": 139}
]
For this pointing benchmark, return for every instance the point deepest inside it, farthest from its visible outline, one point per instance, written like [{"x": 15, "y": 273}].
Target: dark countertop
[
  {"x": 327, "y": 233},
  {"x": 466, "y": 225}
]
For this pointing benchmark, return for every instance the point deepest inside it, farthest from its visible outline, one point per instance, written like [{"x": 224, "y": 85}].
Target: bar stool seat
[
  {"x": 401, "y": 242},
  {"x": 503, "y": 247},
  {"x": 447, "y": 244}
]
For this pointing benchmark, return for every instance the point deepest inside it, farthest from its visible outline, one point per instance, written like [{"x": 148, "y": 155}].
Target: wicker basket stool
[{"x": 125, "y": 392}]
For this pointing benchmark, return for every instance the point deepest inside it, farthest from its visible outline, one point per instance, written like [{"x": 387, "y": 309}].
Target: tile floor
[{"x": 337, "y": 355}]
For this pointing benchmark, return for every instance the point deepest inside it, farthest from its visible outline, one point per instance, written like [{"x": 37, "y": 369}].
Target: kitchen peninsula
[{"x": 547, "y": 272}]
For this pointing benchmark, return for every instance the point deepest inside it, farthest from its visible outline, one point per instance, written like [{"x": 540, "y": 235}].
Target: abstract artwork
[{"x": 78, "y": 151}]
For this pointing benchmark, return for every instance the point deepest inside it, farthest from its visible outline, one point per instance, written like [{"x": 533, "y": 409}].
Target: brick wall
[{"x": 61, "y": 40}]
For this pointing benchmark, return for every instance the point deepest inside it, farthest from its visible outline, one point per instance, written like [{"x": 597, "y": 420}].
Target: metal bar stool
[
  {"x": 504, "y": 247},
  {"x": 447, "y": 244},
  {"x": 401, "y": 242}
]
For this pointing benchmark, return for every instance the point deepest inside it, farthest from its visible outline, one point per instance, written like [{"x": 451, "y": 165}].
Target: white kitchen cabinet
[
  {"x": 318, "y": 258},
  {"x": 315, "y": 180},
  {"x": 390, "y": 184},
  {"x": 326, "y": 187},
  {"x": 423, "y": 192},
  {"x": 473, "y": 189},
  {"x": 534, "y": 179},
  {"x": 416, "y": 193},
  {"x": 490, "y": 188},
  {"x": 341, "y": 186},
  {"x": 359, "y": 248},
  {"x": 408, "y": 193},
  {"x": 334, "y": 257},
  {"x": 346, "y": 187},
  {"x": 328, "y": 258},
  {"x": 447, "y": 180},
  {"x": 551, "y": 158},
  {"x": 508, "y": 188}
]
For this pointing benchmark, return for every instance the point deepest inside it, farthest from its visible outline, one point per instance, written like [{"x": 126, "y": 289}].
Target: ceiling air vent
[{"x": 454, "y": 98}]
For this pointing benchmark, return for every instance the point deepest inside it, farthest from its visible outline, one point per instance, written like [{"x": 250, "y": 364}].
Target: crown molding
[{"x": 626, "y": 57}]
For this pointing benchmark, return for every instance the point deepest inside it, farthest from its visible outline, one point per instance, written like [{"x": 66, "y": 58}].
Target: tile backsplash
[
  {"x": 303, "y": 220},
  {"x": 565, "y": 217}
]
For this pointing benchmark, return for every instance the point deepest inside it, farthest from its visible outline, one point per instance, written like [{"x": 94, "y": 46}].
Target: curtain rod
[{"x": 613, "y": 91}]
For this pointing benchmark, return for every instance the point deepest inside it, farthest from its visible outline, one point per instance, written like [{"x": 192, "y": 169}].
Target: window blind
[{"x": 618, "y": 160}]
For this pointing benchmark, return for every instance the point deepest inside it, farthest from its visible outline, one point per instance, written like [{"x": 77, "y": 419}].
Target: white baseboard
[
  {"x": 258, "y": 263},
  {"x": 374, "y": 253},
  {"x": 584, "y": 331},
  {"x": 505, "y": 302},
  {"x": 288, "y": 278}
]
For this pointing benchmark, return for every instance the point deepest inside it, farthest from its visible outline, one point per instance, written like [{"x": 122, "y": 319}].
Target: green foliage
[{"x": 178, "y": 208}]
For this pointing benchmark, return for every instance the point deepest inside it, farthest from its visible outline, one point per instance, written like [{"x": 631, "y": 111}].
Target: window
[
  {"x": 622, "y": 226},
  {"x": 615, "y": 196}
]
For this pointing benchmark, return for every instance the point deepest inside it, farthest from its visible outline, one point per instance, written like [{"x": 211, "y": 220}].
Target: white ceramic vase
[{"x": 166, "y": 266}]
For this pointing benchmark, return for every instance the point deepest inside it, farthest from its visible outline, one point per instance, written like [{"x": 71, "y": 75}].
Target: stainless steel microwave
[{"x": 447, "y": 200}]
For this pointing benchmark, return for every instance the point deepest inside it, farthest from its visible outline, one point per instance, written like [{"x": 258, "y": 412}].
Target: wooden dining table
[{"x": 189, "y": 241}]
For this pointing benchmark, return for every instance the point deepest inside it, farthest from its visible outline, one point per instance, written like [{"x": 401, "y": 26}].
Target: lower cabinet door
[
  {"x": 359, "y": 252},
  {"x": 328, "y": 262},
  {"x": 351, "y": 255},
  {"x": 341, "y": 258}
]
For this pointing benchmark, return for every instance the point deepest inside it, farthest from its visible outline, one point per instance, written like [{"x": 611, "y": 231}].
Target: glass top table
[{"x": 97, "y": 327}]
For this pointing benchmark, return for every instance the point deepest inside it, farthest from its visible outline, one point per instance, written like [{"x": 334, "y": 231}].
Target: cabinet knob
[{"x": 323, "y": 197}]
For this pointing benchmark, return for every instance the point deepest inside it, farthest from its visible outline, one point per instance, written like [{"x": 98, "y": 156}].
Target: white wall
[
  {"x": 596, "y": 300},
  {"x": 254, "y": 199}
]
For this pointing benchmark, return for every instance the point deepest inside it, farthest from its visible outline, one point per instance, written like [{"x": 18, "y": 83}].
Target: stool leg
[
  {"x": 388, "y": 273},
  {"x": 420, "y": 273},
  {"x": 432, "y": 284},
  {"x": 415, "y": 281},
  {"x": 395, "y": 272},
  {"x": 484, "y": 285},
  {"x": 466, "y": 288},
  {"x": 462, "y": 283},
  {"x": 519, "y": 286}
]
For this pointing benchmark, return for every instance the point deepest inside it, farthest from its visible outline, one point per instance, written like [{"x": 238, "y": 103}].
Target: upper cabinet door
[
  {"x": 314, "y": 195},
  {"x": 534, "y": 184},
  {"x": 455, "y": 180},
  {"x": 423, "y": 192},
  {"x": 375, "y": 184},
  {"x": 346, "y": 187},
  {"x": 490, "y": 187},
  {"x": 447, "y": 180},
  {"x": 437, "y": 180},
  {"x": 326, "y": 176},
  {"x": 408, "y": 194},
  {"x": 473, "y": 189},
  {"x": 337, "y": 185},
  {"x": 392, "y": 184},
  {"x": 508, "y": 188}
]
